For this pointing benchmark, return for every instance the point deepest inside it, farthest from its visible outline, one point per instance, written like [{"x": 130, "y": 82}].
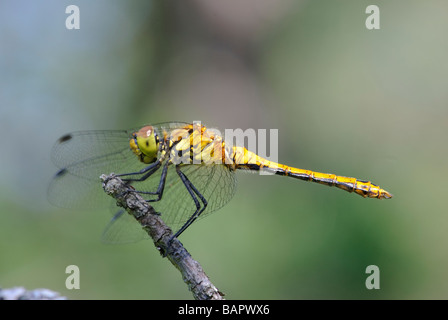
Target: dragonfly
[{"x": 185, "y": 169}]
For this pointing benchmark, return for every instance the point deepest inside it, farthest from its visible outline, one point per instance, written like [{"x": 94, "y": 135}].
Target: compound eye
[
  {"x": 145, "y": 132},
  {"x": 147, "y": 143}
]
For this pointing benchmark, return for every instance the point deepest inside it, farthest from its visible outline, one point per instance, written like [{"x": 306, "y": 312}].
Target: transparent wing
[
  {"x": 217, "y": 183},
  {"x": 85, "y": 146},
  {"x": 123, "y": 228},
  {"x": 82, "y": 158},
  {"x": 83, "y": 149}
]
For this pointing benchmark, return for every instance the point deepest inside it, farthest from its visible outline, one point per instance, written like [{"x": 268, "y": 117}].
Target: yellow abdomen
[{"x": 246, "y": 160}]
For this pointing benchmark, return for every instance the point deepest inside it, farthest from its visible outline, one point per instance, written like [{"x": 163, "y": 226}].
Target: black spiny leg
[
  {"x": 161, "y": 186},
  {"x": 149, "y": 170},
  {"x": 195, "y": 194}
]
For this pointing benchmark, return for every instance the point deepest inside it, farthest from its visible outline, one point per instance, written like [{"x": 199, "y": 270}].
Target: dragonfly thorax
[{"x": 145, "y": 144}]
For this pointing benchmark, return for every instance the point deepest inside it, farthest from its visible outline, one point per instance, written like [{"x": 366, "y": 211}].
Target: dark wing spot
[
  {"x": 61, "y": 173},
  {"x": 65, "y": 138}
]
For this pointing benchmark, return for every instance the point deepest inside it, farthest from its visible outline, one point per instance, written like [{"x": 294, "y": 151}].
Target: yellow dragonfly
[{"x": 186, "y": 169}]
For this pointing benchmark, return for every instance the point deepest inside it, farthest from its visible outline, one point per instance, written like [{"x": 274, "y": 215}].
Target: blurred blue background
[{"x": 371, "y": 104}]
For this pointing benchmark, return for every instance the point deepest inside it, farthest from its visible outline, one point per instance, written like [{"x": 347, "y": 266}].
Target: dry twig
[{"x": 192, "y": 273}]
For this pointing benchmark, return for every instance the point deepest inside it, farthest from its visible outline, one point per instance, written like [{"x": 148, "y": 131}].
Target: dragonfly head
[{"x": 145, "y": 144}]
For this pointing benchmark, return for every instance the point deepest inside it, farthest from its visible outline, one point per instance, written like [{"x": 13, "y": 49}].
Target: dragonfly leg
[
  {"x": 149, "y": 170},
  {"x": 195, "y": 194},
  {"x": 161, "y": 186}
]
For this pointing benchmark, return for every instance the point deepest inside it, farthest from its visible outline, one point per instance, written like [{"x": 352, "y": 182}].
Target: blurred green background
[{"x": 371, "y": 104}]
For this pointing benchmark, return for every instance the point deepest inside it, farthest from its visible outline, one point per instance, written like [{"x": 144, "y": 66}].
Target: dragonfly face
[{"x": 145, "y": 144}]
